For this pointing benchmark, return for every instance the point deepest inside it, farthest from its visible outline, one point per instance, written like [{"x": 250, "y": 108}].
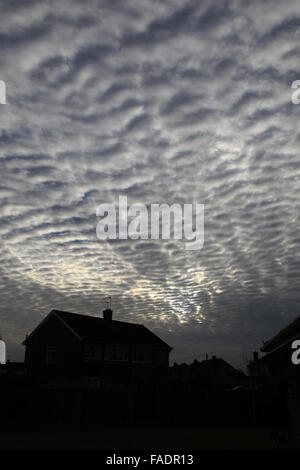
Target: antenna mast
[{"x": 108, "y": 302}]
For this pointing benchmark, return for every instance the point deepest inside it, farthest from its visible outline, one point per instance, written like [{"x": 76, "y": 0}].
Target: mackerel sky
[{"x": 162, "y": 102}]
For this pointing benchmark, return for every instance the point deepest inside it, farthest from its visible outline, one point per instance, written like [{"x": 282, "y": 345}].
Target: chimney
[
  {"x": 255, "y": 356},
  {"x": 107, "y": 314}
]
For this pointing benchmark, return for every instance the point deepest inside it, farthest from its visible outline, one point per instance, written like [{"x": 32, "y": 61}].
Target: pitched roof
[
  {"x": 207, "y": 365},
  {"x": 98, "y": 329},
  {"x": 212, "y": 364},
  {"x": 290, "y": 332}
]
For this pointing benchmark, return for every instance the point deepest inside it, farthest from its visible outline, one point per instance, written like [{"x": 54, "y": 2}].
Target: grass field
[{"x": 144, "y": 438}]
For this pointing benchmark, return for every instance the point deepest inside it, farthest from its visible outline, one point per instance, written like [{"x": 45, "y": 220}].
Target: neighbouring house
[
  {"x": 12, "y": 376},
  {"x": 74, "y": 349},
  {"x": 275, "y": 372},
  {"x": 214, "y": 373},
  {"x": 276, "y": 367}
]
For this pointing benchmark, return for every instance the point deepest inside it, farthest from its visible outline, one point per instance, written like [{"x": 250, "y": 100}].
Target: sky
[{"x": 162, "y": 102}]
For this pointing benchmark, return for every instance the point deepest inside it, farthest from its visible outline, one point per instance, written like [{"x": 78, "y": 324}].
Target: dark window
[
  {"x": 92, "y": 351},
  {"x": 92, "y": 382},
  {"x": 142, "y": 355},
  {"x": 51, "y": 355},
  {"x": 115, "y": 352},
  {"x": 160, "y": 357}
]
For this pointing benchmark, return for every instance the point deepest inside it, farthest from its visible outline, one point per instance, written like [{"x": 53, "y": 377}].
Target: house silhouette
[
  {"x": 214, "y": 373},
  {"x": 275, "y": 372},
  {"x": 88, "y": 351},
  {"x": 276, "y": 365}
]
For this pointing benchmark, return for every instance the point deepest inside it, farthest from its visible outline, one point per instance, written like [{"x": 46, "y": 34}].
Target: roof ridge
[
  {"x": 98, "y": 318},
  {"x": 95, "y": 327}
]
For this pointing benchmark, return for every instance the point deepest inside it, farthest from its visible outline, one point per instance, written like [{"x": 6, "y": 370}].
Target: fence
[{"x": 91, "y": 407}]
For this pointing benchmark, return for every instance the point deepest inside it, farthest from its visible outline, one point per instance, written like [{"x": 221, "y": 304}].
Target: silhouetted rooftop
[
  {"x": 288, "y": 333},
  {"x": 207, "y": 365},
  {"x": 98, "y": 329}
]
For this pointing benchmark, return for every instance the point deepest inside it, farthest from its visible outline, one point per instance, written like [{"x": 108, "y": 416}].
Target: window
[
  {"x": 91, "y": 382},
  {"x": 142, "y": 355},
  {"x": 92, "y": 351},
  {"x": 115, "y": 352},
  {"x": 160, "y": 357},
  {"x": 51, "y": 355}
]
